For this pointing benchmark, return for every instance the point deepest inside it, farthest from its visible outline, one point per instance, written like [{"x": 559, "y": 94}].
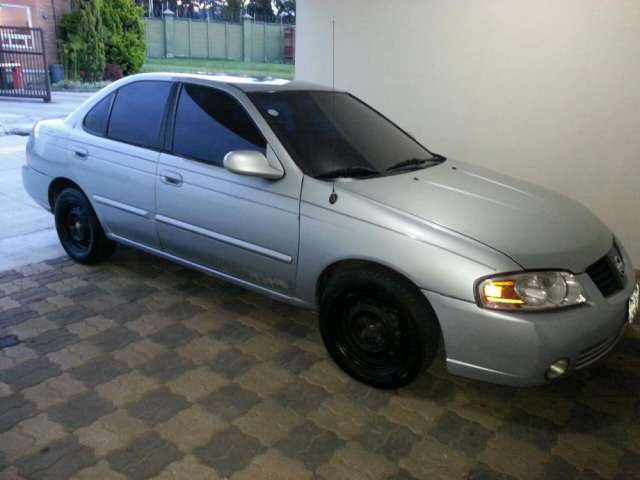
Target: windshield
[{"x": 334, "y": 134}]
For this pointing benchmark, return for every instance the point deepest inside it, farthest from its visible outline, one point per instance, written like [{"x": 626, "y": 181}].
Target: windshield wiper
[{"x": 349, "y": 172}]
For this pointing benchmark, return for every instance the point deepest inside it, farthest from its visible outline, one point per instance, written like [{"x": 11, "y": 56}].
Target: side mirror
[{"x": 252, "y": 163}]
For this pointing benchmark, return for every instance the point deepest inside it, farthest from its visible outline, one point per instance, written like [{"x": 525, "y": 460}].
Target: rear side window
[
  {"x": 137, "y": 113},
  {"x": 210, "y": 123},
  {"x": 97, "y": 119}
]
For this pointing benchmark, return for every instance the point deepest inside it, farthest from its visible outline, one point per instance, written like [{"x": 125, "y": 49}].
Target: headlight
[{"x": 531, "y": 291}]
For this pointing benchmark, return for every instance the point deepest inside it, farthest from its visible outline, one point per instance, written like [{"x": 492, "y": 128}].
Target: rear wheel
[
  {"x": 79, "y": 230},
  {"x": 378, "y": 327}
]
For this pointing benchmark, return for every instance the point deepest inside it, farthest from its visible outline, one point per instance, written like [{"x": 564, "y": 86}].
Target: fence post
[
  {"x": 247, "y": 38},
  {"x": 169, "y": 34}
]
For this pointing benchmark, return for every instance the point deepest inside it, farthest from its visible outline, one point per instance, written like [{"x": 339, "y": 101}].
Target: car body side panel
[{"x": 353, "y": 228}]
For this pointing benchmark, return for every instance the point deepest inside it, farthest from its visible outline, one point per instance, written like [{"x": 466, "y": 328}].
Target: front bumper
[{"x": 515, "y": 348}]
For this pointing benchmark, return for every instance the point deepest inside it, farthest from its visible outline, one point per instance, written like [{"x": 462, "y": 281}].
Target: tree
[
  {"x": 82, "y": 40},
  {"x": 232, "y": 8},
  {"x": 263, "y": 8},
  {"x": 286, "y": 8},
  {"x": 124, "y": 34}
]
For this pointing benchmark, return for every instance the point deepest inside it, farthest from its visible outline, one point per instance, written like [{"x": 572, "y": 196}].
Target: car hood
[{"x": 534, "y": 226}]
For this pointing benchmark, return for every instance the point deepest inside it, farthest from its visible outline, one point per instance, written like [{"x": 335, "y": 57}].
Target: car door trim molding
[
  {"x": 121, "y": 206},
  {"x": 210, "y": 271},
  {"x": 251, "y": 247}
]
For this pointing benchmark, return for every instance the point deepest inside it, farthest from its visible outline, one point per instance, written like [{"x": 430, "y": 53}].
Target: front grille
[
  {"x": 605, "y": 275},
  {"x": 597, "y": 351}
]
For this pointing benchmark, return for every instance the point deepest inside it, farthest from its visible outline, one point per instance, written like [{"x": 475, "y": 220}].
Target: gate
[{"x": 23, "y": 63}]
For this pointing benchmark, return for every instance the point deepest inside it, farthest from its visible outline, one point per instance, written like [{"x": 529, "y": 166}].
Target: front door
[{"x": 240, "y": 226}]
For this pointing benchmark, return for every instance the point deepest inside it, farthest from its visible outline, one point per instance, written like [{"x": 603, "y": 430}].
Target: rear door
[
  {"x": 115, "y": 153},
  {"x": 241, "y": 226}
]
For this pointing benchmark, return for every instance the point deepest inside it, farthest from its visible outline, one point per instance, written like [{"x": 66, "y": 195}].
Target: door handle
[
  {"x": 81, "y": 152},
  {"x": 171, "y": 178}
]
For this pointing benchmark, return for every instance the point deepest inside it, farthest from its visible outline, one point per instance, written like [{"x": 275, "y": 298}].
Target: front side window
[
  {"x": 334, "y": 134},
  {"x": 97, "y": 119},
  {"x": 210, "y": 123},
  {"x": 137, "y": 113}
]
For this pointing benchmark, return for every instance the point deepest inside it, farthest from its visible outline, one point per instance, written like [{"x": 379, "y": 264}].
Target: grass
[{"x": 197, "y": 65}]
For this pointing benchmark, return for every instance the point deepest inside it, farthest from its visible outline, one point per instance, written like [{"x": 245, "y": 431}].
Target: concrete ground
[{"x": 139, "y": 368}]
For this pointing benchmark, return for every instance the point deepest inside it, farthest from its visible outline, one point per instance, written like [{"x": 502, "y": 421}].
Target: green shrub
[
  {"x": 82, "y": 45},
  {"x": 124, "y": 38}
]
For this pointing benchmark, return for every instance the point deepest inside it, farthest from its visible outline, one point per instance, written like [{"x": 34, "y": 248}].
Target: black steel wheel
[
  {"x": 378, "y": 327},
  {"x": 79, "y": 230}
]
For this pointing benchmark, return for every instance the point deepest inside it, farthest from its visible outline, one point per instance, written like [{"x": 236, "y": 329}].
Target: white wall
[{"x": 548, "y": 91}]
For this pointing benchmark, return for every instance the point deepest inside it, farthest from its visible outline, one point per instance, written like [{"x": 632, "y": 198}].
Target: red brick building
[{"x": 43, "y": 14}]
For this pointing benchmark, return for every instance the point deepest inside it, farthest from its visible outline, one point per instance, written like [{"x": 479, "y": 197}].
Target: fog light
[{"x": 557, "y": 369}]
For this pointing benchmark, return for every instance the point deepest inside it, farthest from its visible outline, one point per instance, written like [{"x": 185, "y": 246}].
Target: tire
[
  {"x": 79, "y": 230},
  {"x": 377, "y": 326}
]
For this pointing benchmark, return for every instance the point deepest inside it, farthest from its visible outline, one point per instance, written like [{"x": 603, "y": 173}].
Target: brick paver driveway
[{"x": 139, "y": 368}]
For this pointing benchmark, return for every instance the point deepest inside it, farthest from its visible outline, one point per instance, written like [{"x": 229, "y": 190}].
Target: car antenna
[{"x": 333, "y": 198}]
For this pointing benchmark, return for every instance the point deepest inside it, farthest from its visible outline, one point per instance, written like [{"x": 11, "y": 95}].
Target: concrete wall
[{"x": 546, "y": 91}]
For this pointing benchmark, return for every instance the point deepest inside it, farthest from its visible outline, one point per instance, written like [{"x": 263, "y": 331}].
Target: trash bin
[{"x": 57, "y": 72}]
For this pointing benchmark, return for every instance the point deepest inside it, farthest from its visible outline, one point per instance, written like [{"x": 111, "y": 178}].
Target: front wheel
[
  {"x": 79, "y": 230},
  {"x": 378, "y": 327}
]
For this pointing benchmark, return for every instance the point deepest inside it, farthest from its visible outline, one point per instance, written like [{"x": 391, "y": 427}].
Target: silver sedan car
[{"x": 311, "y": 196}]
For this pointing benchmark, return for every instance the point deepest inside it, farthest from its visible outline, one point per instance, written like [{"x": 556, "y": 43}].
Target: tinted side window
[
  {"x": 137, "y": 113},
  {"x": 98, "y": 117},
  {"x": 210, "y": 123}
]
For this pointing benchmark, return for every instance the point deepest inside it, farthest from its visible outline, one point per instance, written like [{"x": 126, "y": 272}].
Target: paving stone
[
  {"x": 14, "y": 409},
  {"x": 99, "y": 370},
  {"x": 126, "y": 388},
  {"x": 264, "y": 346},
  {"x": 232, "y": 363},
  {"x": 229, "y": 451},
  {"x": 310, "y": 445},
  {"x": 293, "y": 329},
  {"x": 201, "y": 323},
  {"x": 5, "y": 390},
  {"x": 188, "y": 468},
  {"x": 514, "y": 457},
  {"x": 264, "y": 379},
  {"x": 29, "y": 436},
  {"x": 301, "y": 397},
  {"x": 91, "y": 326},
  {"x": 295, "y": 360},
  {"x": 272, "y": 465},
  {"x": 182, "y": 311},
  {"x": 342, "y": 416},
  {"x": 80, "y": 411},
  {"x": 590, "y": 422},
  {"x": 150, "y": 324},
  {"x": 67, "y": 315},
  {"x": 51, "y": 341},
  {"x": 389, "y": 439},
  {"x": 32, "y": 328},
  {"x": 138, "y": 353},
  {"x": 125, "y": 312},
  {"x": 157, "y": 406},
  {"x": 74, "y": 355},
  {"x": 197, "y": 383},
  {"x": 191, "y": 428},
  {"x": 101, "y": 471},
  {"x": 54, "y": 391},
  {"x": 29, "y": 373},
  {"x": 362, "y": 394},
  {"x": 268, "y": 422},
  {"x": 111, "y": 432},
  {"x": 114, "y": 339},
  {"x": 174, "y": 336},
  {"x": 166, "y": 367},
  {"x": 418, "y": 415},
  {"x": 588, "y": 452},
  {"x": 353, "y": 462},
  {"x": 15, "y": 316},
  {"x": 60, "y": 460},
  {"x": 465, "y": 436},
  {"x": 539, "y": 431},
  {"x": 326, "y": 375},
  {"x": 429, "y": 459},
  {"x": 230, "y": 402},
  {"x": 12, "y": 356},
  {"x": 628, "y": 467},
  {"x": 482, "y": 472},
  {"x": 202, "y": 349},
  {"x": 233, "y": 333},
  {"x": 144, "y": 457}
]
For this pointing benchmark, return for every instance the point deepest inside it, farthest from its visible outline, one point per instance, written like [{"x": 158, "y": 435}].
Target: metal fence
[
  {"x": 248, "y": 41},
  {"x": 23, "y": 63}
]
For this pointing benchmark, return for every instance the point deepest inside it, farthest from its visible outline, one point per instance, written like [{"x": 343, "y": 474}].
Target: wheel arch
[{"x": 57, "y": 186}]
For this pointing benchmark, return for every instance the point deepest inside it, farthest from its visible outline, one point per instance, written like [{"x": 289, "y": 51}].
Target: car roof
[{"x": 245, "y": 83}]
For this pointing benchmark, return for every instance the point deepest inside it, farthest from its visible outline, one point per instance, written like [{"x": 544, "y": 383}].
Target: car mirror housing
[{"x": 252, "y": 163}]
